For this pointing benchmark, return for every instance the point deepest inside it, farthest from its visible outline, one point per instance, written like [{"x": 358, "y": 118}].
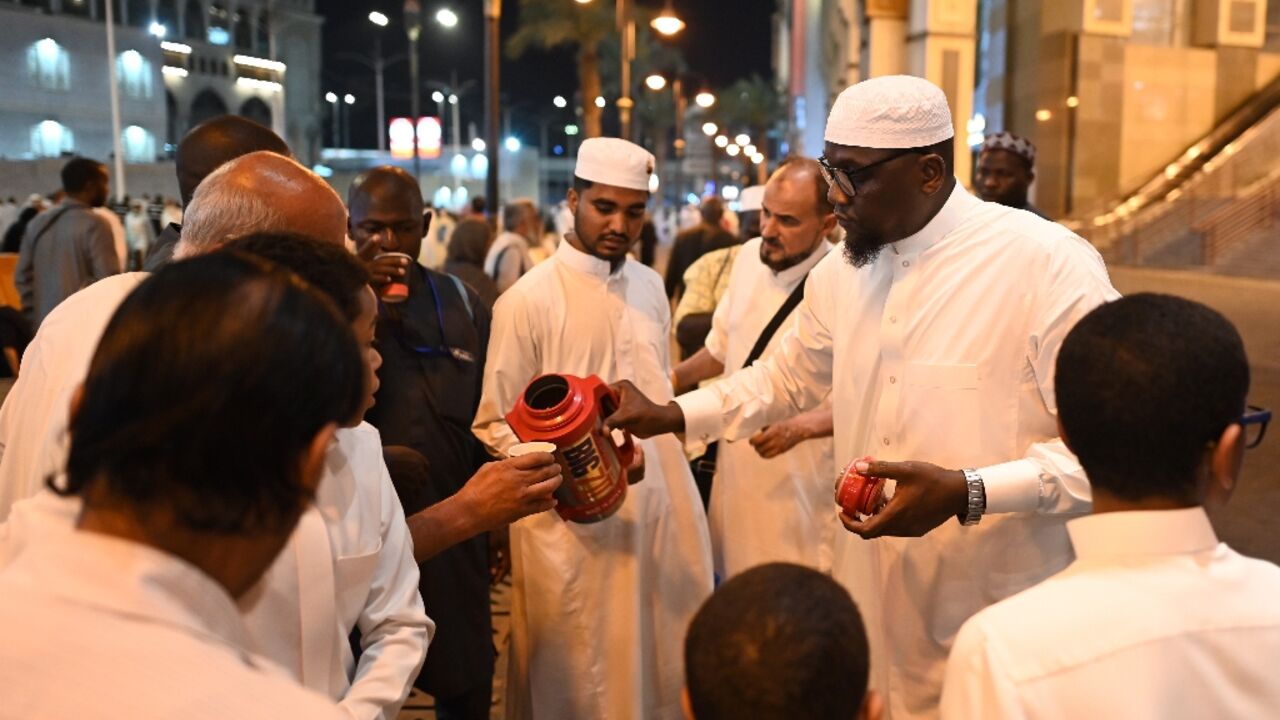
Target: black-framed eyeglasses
[
  {"x": 1254, "y": 423},
  {"x": 843, "y": 179}
]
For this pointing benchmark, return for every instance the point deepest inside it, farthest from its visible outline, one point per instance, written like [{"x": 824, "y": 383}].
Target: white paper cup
[{"x": 530, "y": 448}]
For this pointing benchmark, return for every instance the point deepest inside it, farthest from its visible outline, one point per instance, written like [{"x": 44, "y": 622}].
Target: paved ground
[{"x": 1249, "y": 522}]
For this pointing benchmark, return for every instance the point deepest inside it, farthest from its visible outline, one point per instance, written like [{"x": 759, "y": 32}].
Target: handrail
[{"x": 1235, "y": 222}]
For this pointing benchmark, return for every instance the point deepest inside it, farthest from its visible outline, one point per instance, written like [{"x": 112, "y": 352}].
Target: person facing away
[
  {"x": 465, "y": 259},
  {"x": 138, "y": 602},
  {"x": 1155, "y": 618},
  {"x": 778, "y": 641},
  {"x": 598, "y": 609},
  {"x": 508, "y": 257},
  {"x": 351, "y": 560},
  {"x": 938, "y": 359},
  {"x": 205, "y": 148},
  {"x": 771, "y": 496},
  {"x": 138, "y": 233},
  {"x": 697, "y": 241},
  {"x": 1005, "y": 171},
  {"x": 70, "y": 246}
]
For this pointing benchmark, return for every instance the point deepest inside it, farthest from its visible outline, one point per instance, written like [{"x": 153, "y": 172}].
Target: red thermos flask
[{"x": 569, "y": 412}]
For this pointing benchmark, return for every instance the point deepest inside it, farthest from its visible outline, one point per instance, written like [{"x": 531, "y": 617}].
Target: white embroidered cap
[
  {"x": 616, "y": 162},
  {"x": 751, "y": 198},
  {"x": 890, "y": 112}
]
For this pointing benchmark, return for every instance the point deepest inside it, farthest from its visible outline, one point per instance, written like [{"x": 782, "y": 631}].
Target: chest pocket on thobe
[
  {"x": 943, "y": 401},
  {"x": 352, "y": 576}
]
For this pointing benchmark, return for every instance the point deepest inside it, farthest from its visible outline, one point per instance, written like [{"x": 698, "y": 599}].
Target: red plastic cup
[
  {"x": 396, "y": 291},
  {"x": 858, "y": 494}
]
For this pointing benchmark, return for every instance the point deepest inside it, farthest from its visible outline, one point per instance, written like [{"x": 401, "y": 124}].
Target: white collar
[
  {"x": 136, "y": 580},
  {"x": 953, "y": 212},
  {"x": 588, "y": 264},
  {"x": 797, "y": 271},
  {"x": 1142, "y": 532}
]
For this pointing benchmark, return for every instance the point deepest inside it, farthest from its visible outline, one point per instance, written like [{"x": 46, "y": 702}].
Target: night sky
[{"x": 721, "y": 46}]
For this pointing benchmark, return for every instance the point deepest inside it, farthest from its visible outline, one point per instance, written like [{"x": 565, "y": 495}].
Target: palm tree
[{"x": 552, "y": 23}]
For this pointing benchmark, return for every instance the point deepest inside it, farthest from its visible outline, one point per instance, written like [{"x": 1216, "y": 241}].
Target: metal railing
[{"x": 1238, "y": 221}]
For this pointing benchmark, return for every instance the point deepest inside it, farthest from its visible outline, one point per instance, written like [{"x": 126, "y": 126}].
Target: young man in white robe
[{"x": 599, "y": 610}]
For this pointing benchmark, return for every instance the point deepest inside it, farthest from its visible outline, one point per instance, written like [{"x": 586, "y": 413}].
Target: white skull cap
[
  {"x": 890, "y": 112},
  {"x": 616, "y": 162}
]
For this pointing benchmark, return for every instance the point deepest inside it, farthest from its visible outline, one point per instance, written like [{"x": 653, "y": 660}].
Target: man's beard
[
  {"x": 784, "y": 262},
  {"x": 861, "y": 249}
]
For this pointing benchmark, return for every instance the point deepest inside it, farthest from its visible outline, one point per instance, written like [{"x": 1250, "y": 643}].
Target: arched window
[
  {"x": 51, "y": 139},
  {"x": 48, "y": 65},
  {"x": 264, "y": 34},
  {"x": 139, "y": 144},
  {"x": 139, "y": 13},
  {"x": 171, "y": 121},
  {"x": 134, "y": 73},
  {"x": 206, "y": 106},
  {"x": 243, "y": 33},
  {"x": 256, "y": 110},
  {"x": 219, "y": 24},
  {"x": 194, "y": 20}
]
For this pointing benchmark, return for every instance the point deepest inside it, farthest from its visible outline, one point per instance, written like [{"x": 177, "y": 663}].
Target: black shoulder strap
[
  {"x": 776, "y": 322},
  {"x": 46, "y": 227},
  {"x": 497, "y": 262}
]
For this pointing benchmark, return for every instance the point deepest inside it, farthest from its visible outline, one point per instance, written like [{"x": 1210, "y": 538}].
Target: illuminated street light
[
  {"x": 559, "y": 101},
  {"x": 330, "y": 97},
  {"x": 570, "y": 129},
  {"x": 447, "y": 17},
  {"x": 655, "y": 82},
  {"x": 453, "y": 99},
  {"x": 667, "y": 23},
  {"x": 437, "y": 96},
  {"x": 512, "y": 144},
  {"x": 709, "y": 129},
  {"x": 600, "y": 101},
  {"x": 705, "y": 99},
  {"x": 378, "y": 19},
  {"x": 477, "y": 145},
  {"x": 743, "y": 139},
  {"x": 721, "y": 141},
  {"x": 158, "y": 30},
  {"x": 349, "y": 99},
  {"x": 750, "y": 149},
  {"x": 733, "y": 150}
]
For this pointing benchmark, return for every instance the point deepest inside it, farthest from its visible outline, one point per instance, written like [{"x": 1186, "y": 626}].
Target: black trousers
[{"x": 471, "y": 705}]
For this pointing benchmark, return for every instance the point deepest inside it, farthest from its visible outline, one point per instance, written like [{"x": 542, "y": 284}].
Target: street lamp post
[
  {"x": 350, "y": 100},
  {"x": 332, "y": 99},
  {"x": 381, "y": 21},
  {"x": 493, "y": 113},
  {"x": 413, "y": 28}
]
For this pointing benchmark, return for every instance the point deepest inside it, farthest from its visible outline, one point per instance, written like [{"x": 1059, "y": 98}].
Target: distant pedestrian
[
  {"x": 1006, "y": 169},
  {"x": 70, "y": 246},
  {"x": 466, "y": 259},
  {"x": 139, "y": 234}
]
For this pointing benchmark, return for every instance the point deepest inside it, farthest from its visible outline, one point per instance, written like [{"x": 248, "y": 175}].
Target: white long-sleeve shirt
[
  {"x": 349, "y": 563},
  {"x": 776, "y": 509},
  {"x": 1155, "y": 620},
  {"x": 941, "y": 350},
  {"x": 599, "y": 610},
  {"x": 97, "y": 626}
]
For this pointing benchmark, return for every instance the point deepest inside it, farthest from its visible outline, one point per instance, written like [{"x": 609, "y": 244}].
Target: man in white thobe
[
  {"x": 599, "y": 610},
  {"x": 771, "y": 497},
  {"x": 348, "y": 564},
  {"x": 1156, "y": 619},
  {"x": 935, "y": 332}
]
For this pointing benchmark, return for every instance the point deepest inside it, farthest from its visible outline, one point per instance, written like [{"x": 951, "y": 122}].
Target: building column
[
  {"x": 941, "y": 48},
  {"x": 886, "y": 37}
]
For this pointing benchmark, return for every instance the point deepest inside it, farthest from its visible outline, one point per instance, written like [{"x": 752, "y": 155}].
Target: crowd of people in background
[{"x": 259, "y": 461}]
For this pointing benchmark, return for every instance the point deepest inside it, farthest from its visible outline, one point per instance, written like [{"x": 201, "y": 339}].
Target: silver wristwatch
[{"x": 977, "y": 493}]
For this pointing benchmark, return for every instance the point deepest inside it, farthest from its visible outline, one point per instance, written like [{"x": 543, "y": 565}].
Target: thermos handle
[{"x": 609, "y": 403}]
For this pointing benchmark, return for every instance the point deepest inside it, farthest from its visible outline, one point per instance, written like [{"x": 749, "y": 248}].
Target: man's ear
[
  {"x": 426, "y": 222},
  {"x": 934, "y": 169},
  {"x": 312, "y": 462},
  {"x": 872, "y": 706},
  {"x": 1225, "y": 460},
  {"x": 572, "y": 198}
]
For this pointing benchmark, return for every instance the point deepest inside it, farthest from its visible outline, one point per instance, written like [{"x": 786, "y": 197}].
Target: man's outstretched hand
[
  {"x": 504, "y": 491},
  {"x": 641, "y": 416},
  {"x": 926, "y": 497}
]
